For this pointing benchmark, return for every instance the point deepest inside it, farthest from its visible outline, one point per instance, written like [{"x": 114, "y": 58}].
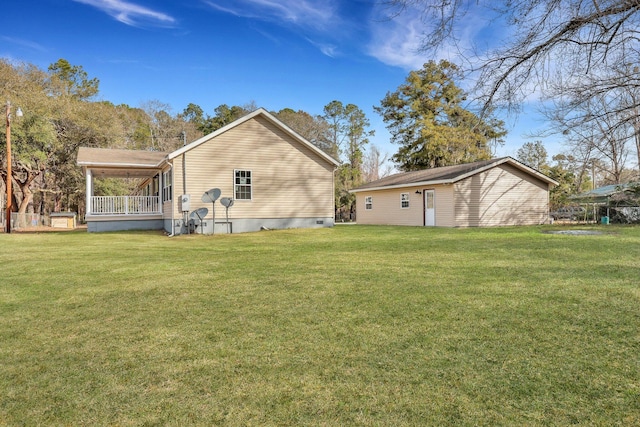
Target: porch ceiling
[
  {"x": 115, "y": 163},
  {"x": 123, "y": 173}
]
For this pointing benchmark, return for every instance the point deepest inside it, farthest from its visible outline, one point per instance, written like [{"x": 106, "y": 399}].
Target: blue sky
[{"x": 298, "y": 54}]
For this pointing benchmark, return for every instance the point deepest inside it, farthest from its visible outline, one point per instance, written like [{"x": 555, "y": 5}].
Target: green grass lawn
[{"x": 353, "y": 325}]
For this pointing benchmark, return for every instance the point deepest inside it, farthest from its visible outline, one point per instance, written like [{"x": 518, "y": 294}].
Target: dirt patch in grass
[{"x": 577, "y": 232}]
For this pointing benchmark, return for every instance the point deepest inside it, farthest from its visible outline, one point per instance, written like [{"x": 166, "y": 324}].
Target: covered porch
[
  {"x": 139, "y": 211},
  {"x": 618, "y": 203}
]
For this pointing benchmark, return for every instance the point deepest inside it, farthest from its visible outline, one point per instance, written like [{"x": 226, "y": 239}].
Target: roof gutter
[
  {"x": 411, "y": 184},
  {"x": 117, "y": 165},
  {"x": 491, "y": 165},
  {"x": 173, "y": 190}
]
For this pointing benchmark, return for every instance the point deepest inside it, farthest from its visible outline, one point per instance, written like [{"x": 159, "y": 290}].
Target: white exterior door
[{"x": 429, "y": 199}]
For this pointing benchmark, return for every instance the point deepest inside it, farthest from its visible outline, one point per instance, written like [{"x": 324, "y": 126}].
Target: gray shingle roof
[{"x": 445, "y": 174}]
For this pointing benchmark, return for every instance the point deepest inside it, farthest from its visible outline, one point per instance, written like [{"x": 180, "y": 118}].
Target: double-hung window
[
  {"x": 167, "y": 186},
  {"x": 368, "y": 203},
  {"x": 404, "y": 200},
  {"x": 243, "y": 185}
]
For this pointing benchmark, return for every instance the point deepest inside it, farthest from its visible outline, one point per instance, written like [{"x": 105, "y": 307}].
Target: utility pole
[{"x": 9, "y": 190}]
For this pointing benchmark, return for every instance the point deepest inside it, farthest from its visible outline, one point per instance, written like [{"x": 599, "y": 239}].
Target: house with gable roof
[{"x": 276, "y": 179}]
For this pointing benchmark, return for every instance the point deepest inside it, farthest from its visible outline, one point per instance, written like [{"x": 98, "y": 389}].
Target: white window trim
[
  {"x": 167, "y": 190},
  {"x": 250, "y": 185},
  {"x": 402, "y": 200},
  {"x": 368, "y": 203}
]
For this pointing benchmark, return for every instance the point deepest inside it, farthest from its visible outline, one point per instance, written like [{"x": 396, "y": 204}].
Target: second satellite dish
[
  {"x": 210, "y": 197},
  {"x": 227, "y": 202}
]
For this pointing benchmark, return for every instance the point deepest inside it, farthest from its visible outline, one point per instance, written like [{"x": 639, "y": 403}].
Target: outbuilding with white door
[{"x": 494, "y": 192}]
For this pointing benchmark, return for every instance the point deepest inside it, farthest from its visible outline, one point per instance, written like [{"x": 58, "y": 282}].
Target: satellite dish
[
  {"x": 227, "y": 202},
  {"x": 211, "y": 196},
  {"x": 199, "y": 213}
]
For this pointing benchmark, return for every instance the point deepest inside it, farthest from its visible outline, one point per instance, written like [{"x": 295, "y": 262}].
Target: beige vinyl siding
[
  {"x": 288, "y": 179},
  {"x": 503, "y": 195},
  {"x": 387, "y": 208},
  {"x": 178, "y": 188},
  {"x": 444, "y": 205}
]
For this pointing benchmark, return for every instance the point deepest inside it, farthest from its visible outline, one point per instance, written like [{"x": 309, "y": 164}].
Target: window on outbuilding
[
  {"x": 368, "y": 203},
  {"x": 404, "y": 200},
  {"x": 243, "y": 184}
]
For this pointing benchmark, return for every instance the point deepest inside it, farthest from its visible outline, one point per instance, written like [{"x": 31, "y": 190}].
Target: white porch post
[{"x": 89, "y": 190}]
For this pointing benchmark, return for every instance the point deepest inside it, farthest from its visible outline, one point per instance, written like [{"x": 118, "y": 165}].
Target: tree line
[
  {"x": 62, "y": 112},
  {"x": 428, "y": 116},
  {"x": 579, "y": 60}
]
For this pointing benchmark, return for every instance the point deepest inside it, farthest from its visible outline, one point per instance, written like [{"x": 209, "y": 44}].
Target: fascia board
[
  {"x": 509, "y": 160},
  {"x": 259, "y": 111},
  {"x": 300, "y": 139},
  {"x": 513, "y": 163},
  {"x": 408, "y": 185},
  {"x": 118, "y": 165},
  {"x": 534, "y": 172},
  {"x": 214, "y": 134}
]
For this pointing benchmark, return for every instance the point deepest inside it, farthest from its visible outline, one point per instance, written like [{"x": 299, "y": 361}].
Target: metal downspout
[
  {"x": 184, "y": 164},
  {"x": 185, "y": 218},
  {"x": 173, "y": 208}
]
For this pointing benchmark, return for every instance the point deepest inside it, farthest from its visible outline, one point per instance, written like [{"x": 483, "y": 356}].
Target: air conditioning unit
[{"x": 185, "y": 202}]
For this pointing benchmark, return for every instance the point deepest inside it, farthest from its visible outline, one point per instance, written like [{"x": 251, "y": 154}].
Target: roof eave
[
  {"x": 299, "y": 138},
  {"x": 271, "y": 118},
  {"x": 531, "y": 171},
  {"x": 466, "y": 175},
  {"x": 212, "y": 135},
  {"x": 410, "y": 184},
  {"x": 513, "y": 162},
  {"x": 119, "y": 165}
]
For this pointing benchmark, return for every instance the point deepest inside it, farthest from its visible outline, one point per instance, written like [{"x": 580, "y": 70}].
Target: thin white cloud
[
  {"x": 308, "y": 14},
  {"x": 121, "y": 61},
  {"x": 317, "y": 17},
  {"x": 130, "y": 13},
  {"x": 24, "y": 43},
  {"x": 327, "y": 49},
  {"x": 396, "y": 41}
]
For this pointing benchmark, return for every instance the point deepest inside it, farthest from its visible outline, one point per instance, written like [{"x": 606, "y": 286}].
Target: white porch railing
[{"x": 125, "y": 205}]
